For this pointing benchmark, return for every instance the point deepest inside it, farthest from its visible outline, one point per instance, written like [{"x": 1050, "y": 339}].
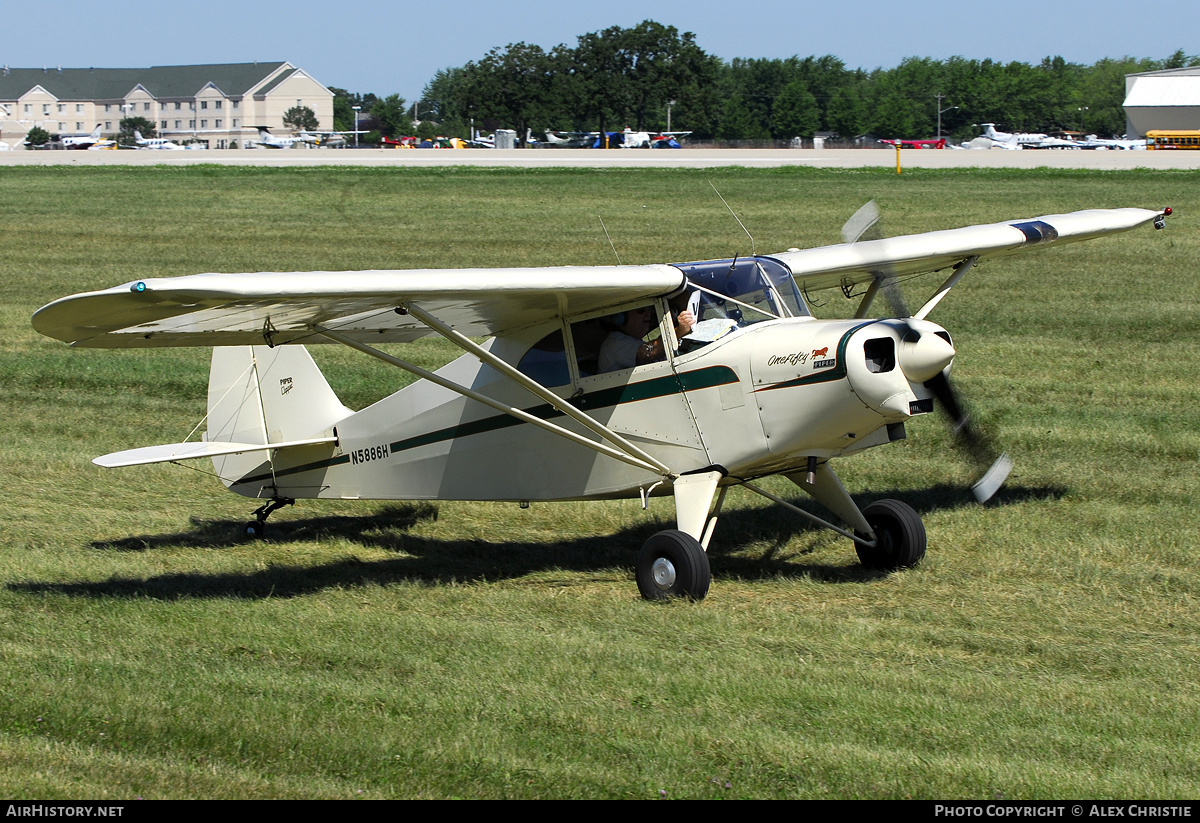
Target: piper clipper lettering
[{"x": 729, "y": 379}]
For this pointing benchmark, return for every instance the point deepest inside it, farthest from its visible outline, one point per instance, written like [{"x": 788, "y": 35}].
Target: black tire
[
  {"x": 253, "y": 530},
  {"x": 901, "y": 536},
  {"x": 673, "y": 564}
]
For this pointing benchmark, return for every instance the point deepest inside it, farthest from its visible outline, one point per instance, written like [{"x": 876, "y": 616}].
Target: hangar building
[
  {"x": 1168, "y": 99},
  {"x": 217, "y": 104}
]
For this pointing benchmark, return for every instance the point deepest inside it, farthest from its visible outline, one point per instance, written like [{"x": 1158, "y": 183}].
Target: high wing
[
  {"x": 849, "y": 264},
  {"x": 290, "y": 307},
  {"x": 368, "y": 306}
]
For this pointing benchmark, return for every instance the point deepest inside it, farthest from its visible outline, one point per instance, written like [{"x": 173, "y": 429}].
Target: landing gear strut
[{"x": 255, "y": 529}]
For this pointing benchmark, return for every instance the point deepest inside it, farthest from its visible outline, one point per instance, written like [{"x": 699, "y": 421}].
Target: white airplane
[
  {"x": 1117, "y": 143},
  {"x": 1024, "y": 140},
  {"x": 571, "y": 139},
  {"x": 83, "y": 141},
  {"x": 155, "y": 142},
  {"x": 271, "y": 141},
  {"x": 755, "y": 387}
]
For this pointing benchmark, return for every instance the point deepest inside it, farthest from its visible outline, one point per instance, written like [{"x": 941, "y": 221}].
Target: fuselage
[{"x": 759, "y": 400}]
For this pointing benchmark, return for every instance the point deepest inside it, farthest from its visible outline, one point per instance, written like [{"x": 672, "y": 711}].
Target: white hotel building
[{"x": 219, "y": 104}]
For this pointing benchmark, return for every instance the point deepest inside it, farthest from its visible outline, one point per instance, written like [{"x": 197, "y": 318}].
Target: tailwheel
[
  {"x": 673, "y": 564},
  {"x": 256, "y": 529},
  {"x": 900, "y": 536},
  {"x": 253, "y": 530}
]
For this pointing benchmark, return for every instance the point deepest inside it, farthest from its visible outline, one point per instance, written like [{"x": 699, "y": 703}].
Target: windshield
[{"x": 760, "y": 288}]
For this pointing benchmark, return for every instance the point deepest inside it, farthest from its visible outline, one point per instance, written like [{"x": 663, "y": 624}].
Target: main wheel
[
  {"x": 900, "y": 536},
  {"x": 673, "y": 564}
]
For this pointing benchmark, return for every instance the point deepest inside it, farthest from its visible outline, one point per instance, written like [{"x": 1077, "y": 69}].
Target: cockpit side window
[
  {"x": 546, "y": 362},
  {"x": 615, "y": 342}
]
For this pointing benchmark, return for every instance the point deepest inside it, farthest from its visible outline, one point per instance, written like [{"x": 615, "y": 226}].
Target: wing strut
[
  {"x": 632, "y": 457},
  {"x": 537, "y": 389},
  {"x": 962, "y": 268}
]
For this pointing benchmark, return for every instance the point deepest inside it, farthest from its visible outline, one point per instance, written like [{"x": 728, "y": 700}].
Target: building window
[
  {"x": 203, "y": 104},
  {"x": 28, "y": 108},
  {"x": 61, "y": 108},
  {"x": 164, "y": 125},
  {"x": 79, "y": 108},
  {"x": 178, "y": 124},
  {"x": 78, "y": 125},
  {"x": 204, "y": 124},
  {"x": 145, "y": 107},
  {"x": 217, "y": 104},
  {"x": 235, "y": 122},
  {"x": 217, "y": 124},
  {"x": 108, "y": 125},
  {"x": 107, "y": 106},
  {"x": 45, "y": 108},
  {"x": 191, "y": 124},
  {"x": 178, "y": 106},
  {"x": 235, "y": 104}
]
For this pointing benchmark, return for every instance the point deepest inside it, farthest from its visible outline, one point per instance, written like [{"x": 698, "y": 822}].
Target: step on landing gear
[{"x": 255, "y": 529}]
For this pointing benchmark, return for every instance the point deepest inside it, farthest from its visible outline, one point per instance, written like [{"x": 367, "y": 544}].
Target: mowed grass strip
[{"x": 1046, "y": 648}]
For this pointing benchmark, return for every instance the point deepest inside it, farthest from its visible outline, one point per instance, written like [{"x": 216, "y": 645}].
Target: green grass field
[{"x": 1046, "y": 648}]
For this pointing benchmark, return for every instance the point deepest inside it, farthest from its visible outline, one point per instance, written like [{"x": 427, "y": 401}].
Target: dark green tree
[
  {"x": 126, "y": 137},
  {"x": 847, "y": 113},
  {"x": 390, "y": 117},
  {"x": 343, "y": 107},
  {"x": 514, "y": 87},
  {"x": 37, "y": 136},
  {"x": 301, "y": 118},
  {"x": 795, "y": 112},
  {"x": 739, "y": 123}
]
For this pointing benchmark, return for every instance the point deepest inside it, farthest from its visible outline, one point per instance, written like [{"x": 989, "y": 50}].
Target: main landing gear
[
  {"x": 673, "y": 564},
  {"x": 899, "y": 536},
  {"x": 255, "y": 529}
]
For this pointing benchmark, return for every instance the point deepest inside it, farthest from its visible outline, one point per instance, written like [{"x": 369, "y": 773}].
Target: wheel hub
[{"x": 663, "y": 572}]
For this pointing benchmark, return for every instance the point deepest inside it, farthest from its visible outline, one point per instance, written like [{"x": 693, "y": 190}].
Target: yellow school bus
[{"x": 1173, "y": 139}]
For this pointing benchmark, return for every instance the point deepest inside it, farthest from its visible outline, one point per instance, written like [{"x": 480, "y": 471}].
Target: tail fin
[{"x": 262, "y": 395}]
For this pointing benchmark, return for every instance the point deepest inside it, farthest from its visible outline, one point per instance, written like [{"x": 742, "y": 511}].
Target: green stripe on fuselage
[{"x": 695, "y": 380}]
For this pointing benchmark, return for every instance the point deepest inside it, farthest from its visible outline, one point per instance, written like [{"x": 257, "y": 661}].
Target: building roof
[
  {"x": 232, "y": 79},
  {"x": 1172, "y": 87}
]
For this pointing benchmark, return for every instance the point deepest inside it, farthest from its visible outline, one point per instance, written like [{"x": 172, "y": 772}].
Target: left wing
[
  {"x": 289, "y": 307},
  {"x": 850, "y": 264}
]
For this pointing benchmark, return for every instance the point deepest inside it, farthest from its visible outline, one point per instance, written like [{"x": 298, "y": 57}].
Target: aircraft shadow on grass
[{"x": 435, "y": 562}]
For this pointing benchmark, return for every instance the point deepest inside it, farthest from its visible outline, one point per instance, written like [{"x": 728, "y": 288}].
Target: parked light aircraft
[
  {"x": 84, "y": 141},
  {"x": 155, "y": 142},
  {"x": 271, "y": 141},
  {"x": 756, "y": 386},
  {"x": 1024, "y": 140}
]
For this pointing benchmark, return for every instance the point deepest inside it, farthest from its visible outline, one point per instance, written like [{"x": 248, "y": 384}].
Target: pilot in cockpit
[{"x": 626, "y": 346}]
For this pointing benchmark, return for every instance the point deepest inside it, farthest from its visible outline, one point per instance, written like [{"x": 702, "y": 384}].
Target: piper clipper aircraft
[{"x": 727, "y": 378}]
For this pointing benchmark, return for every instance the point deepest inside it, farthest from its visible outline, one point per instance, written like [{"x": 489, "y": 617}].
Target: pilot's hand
[{"x": 684, "y": 322}]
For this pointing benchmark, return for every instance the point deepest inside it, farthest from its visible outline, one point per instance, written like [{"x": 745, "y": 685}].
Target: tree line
[{"x": 651, "y": 78}]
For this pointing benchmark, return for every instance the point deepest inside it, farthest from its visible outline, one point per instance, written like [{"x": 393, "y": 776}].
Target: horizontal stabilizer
[{"x": 172, "y": 452}]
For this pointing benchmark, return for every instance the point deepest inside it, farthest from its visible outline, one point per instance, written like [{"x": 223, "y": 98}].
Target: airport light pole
[
  {"x": 357, "y": 109},
  {"x": 941, "y": 111}
]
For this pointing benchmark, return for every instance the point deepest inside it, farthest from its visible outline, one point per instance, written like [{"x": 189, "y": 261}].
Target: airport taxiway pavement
[{"x": 629, "y": 158}]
